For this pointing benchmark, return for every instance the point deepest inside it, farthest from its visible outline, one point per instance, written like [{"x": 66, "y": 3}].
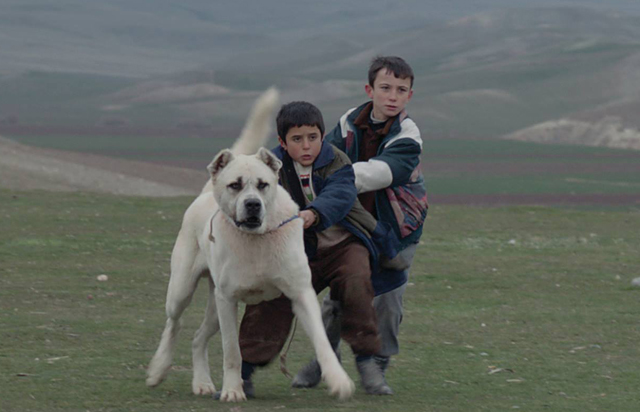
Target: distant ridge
[{"x": 614, "y": 125}]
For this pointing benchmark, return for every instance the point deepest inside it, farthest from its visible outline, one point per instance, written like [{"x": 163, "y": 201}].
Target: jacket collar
[
  {"x": 395, "y": 126},
  {"x": 325, "y": 157}
]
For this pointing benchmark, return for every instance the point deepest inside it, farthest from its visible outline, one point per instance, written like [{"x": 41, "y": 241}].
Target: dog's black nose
[{"x": 253, "y": 206}]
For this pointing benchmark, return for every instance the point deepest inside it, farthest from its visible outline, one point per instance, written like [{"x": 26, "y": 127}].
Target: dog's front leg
[
  {"x": 231, "y": 379},
  {"x": 307, "y": 309},
  {"x": 201, "y": 383}
]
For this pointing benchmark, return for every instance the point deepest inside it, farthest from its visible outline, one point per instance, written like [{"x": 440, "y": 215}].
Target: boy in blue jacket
[
  {"x": 384, "y": 145},
  {"x": 342, "y": 242}
]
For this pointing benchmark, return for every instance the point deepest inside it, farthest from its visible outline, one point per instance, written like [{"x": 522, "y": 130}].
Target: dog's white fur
[{"x": 251, "y": 258}]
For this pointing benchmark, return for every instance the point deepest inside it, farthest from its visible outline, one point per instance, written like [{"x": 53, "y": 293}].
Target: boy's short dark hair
[
  {"x": 394, "y": 64},
  {"x": 296, "y": 114}
]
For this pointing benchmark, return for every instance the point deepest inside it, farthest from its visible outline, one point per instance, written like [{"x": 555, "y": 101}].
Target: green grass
[
  {"x": 497, "y": 166},
  {"x": 542, "y": 294},
  {"x": 539, "y": 184},
  {"x": 499, "y": 148}
]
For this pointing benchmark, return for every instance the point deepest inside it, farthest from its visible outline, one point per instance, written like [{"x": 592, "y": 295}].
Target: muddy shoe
[
  {"x": 372, "y": 378},
  {"x": 247, "y": 386},
  {"x": 309, "y": 376}
]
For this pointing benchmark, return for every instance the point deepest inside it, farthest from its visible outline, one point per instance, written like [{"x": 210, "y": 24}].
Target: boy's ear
[
  {"x": 282, "y": 143},
  {"x": 269, "y": 159},
  {"x": 219, "y": 162},
  {"x": 369, "y": 90}
]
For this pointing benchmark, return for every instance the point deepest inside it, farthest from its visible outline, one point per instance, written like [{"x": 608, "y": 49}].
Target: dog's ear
[
  {"x": 269, "y": 159},
  {"x": 219, "y": 162}
]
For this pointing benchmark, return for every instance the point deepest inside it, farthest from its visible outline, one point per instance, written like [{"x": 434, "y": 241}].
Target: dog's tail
[{"x": 256, "y": 131}]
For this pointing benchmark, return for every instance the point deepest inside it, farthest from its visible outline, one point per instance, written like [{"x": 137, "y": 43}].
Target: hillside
[
  {"x": 614, "y": 125},
  {"x": 27, "y": 168},
  {"x": 482, "y": 70}
]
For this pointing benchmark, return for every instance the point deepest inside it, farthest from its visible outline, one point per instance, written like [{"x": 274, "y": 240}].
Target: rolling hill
[{"x": 487, "y": 74}]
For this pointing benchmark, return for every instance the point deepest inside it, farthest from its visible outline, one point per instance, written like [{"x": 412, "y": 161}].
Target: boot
[
  {"x": 382, "y": 362},
  {"x": 372, "y": 378},
  {"x": 310, "y": 375}
]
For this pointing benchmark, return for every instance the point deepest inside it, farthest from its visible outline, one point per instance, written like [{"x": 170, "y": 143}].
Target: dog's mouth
[{"x": 252, "y": 222}]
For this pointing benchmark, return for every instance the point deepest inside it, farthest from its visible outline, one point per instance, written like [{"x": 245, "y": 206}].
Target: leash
[
  {"x": 283, "y": 357},
  {"x": 284, "y": 222}
]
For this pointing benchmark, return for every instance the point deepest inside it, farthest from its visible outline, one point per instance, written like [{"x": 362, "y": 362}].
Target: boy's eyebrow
[{"x": 402, "y": 86}]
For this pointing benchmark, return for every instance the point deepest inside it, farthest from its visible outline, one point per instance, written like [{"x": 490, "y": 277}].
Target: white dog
[{"x": 242, "y": 230}]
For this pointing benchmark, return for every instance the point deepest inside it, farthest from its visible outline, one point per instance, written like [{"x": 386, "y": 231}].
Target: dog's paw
[
  {"x": 340, "y": 385},
  {"x": 155, "y": 379},
  {"x": 233, "y": 395},
  {"x": 203, "y": 387},
  {"x": 158, "y": 370}
]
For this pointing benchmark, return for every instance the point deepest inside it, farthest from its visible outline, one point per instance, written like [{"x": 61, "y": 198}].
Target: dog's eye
[
  {"x": 234, "y": 186},
  {"x": 262, "y": 185}
]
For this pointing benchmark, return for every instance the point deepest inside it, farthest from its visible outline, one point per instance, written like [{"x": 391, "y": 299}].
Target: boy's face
[
  {"x": 389, "y": 94},
  {"x": 303, "y": 144}
]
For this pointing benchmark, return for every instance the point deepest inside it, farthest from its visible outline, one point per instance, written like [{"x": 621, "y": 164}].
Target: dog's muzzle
[{"x": 253, "y": 209}]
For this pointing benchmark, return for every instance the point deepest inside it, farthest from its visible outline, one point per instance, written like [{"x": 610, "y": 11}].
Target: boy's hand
[{"x": 308, "y": 217}]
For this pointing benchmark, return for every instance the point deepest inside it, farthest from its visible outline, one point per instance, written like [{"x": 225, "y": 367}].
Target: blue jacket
[
  {"x": 401, "y": 198},
  {"x": 336, "y": 203}
]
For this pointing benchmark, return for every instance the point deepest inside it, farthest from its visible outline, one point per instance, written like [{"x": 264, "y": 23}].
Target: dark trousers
[{"x": 346, "y": 270}]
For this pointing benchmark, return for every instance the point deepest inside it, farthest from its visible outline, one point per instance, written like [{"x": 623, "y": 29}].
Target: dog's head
[{"x": 245, "y": 187}]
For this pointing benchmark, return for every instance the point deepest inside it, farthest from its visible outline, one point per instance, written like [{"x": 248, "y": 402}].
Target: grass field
[
  {"x": 486, "y": 167},
  {"x": 452, "y": 166},
  {"x": 516, "y": 308}
]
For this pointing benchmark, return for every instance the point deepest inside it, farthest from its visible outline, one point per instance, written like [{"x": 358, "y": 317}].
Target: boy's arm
[
  {"x": 395, "y": 164},
  {"x": 336, "y": 199},
  {"x": 393, "y": 167},
  {"x": 372, "y": 175}
]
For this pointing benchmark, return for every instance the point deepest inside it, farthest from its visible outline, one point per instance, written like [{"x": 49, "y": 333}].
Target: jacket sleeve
[
  {"x": 394, "y": 165},
  {"x": 336, "y": 198},
  {"x": 335, "y": 137},
  {"x": 403, "y": 156}
]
